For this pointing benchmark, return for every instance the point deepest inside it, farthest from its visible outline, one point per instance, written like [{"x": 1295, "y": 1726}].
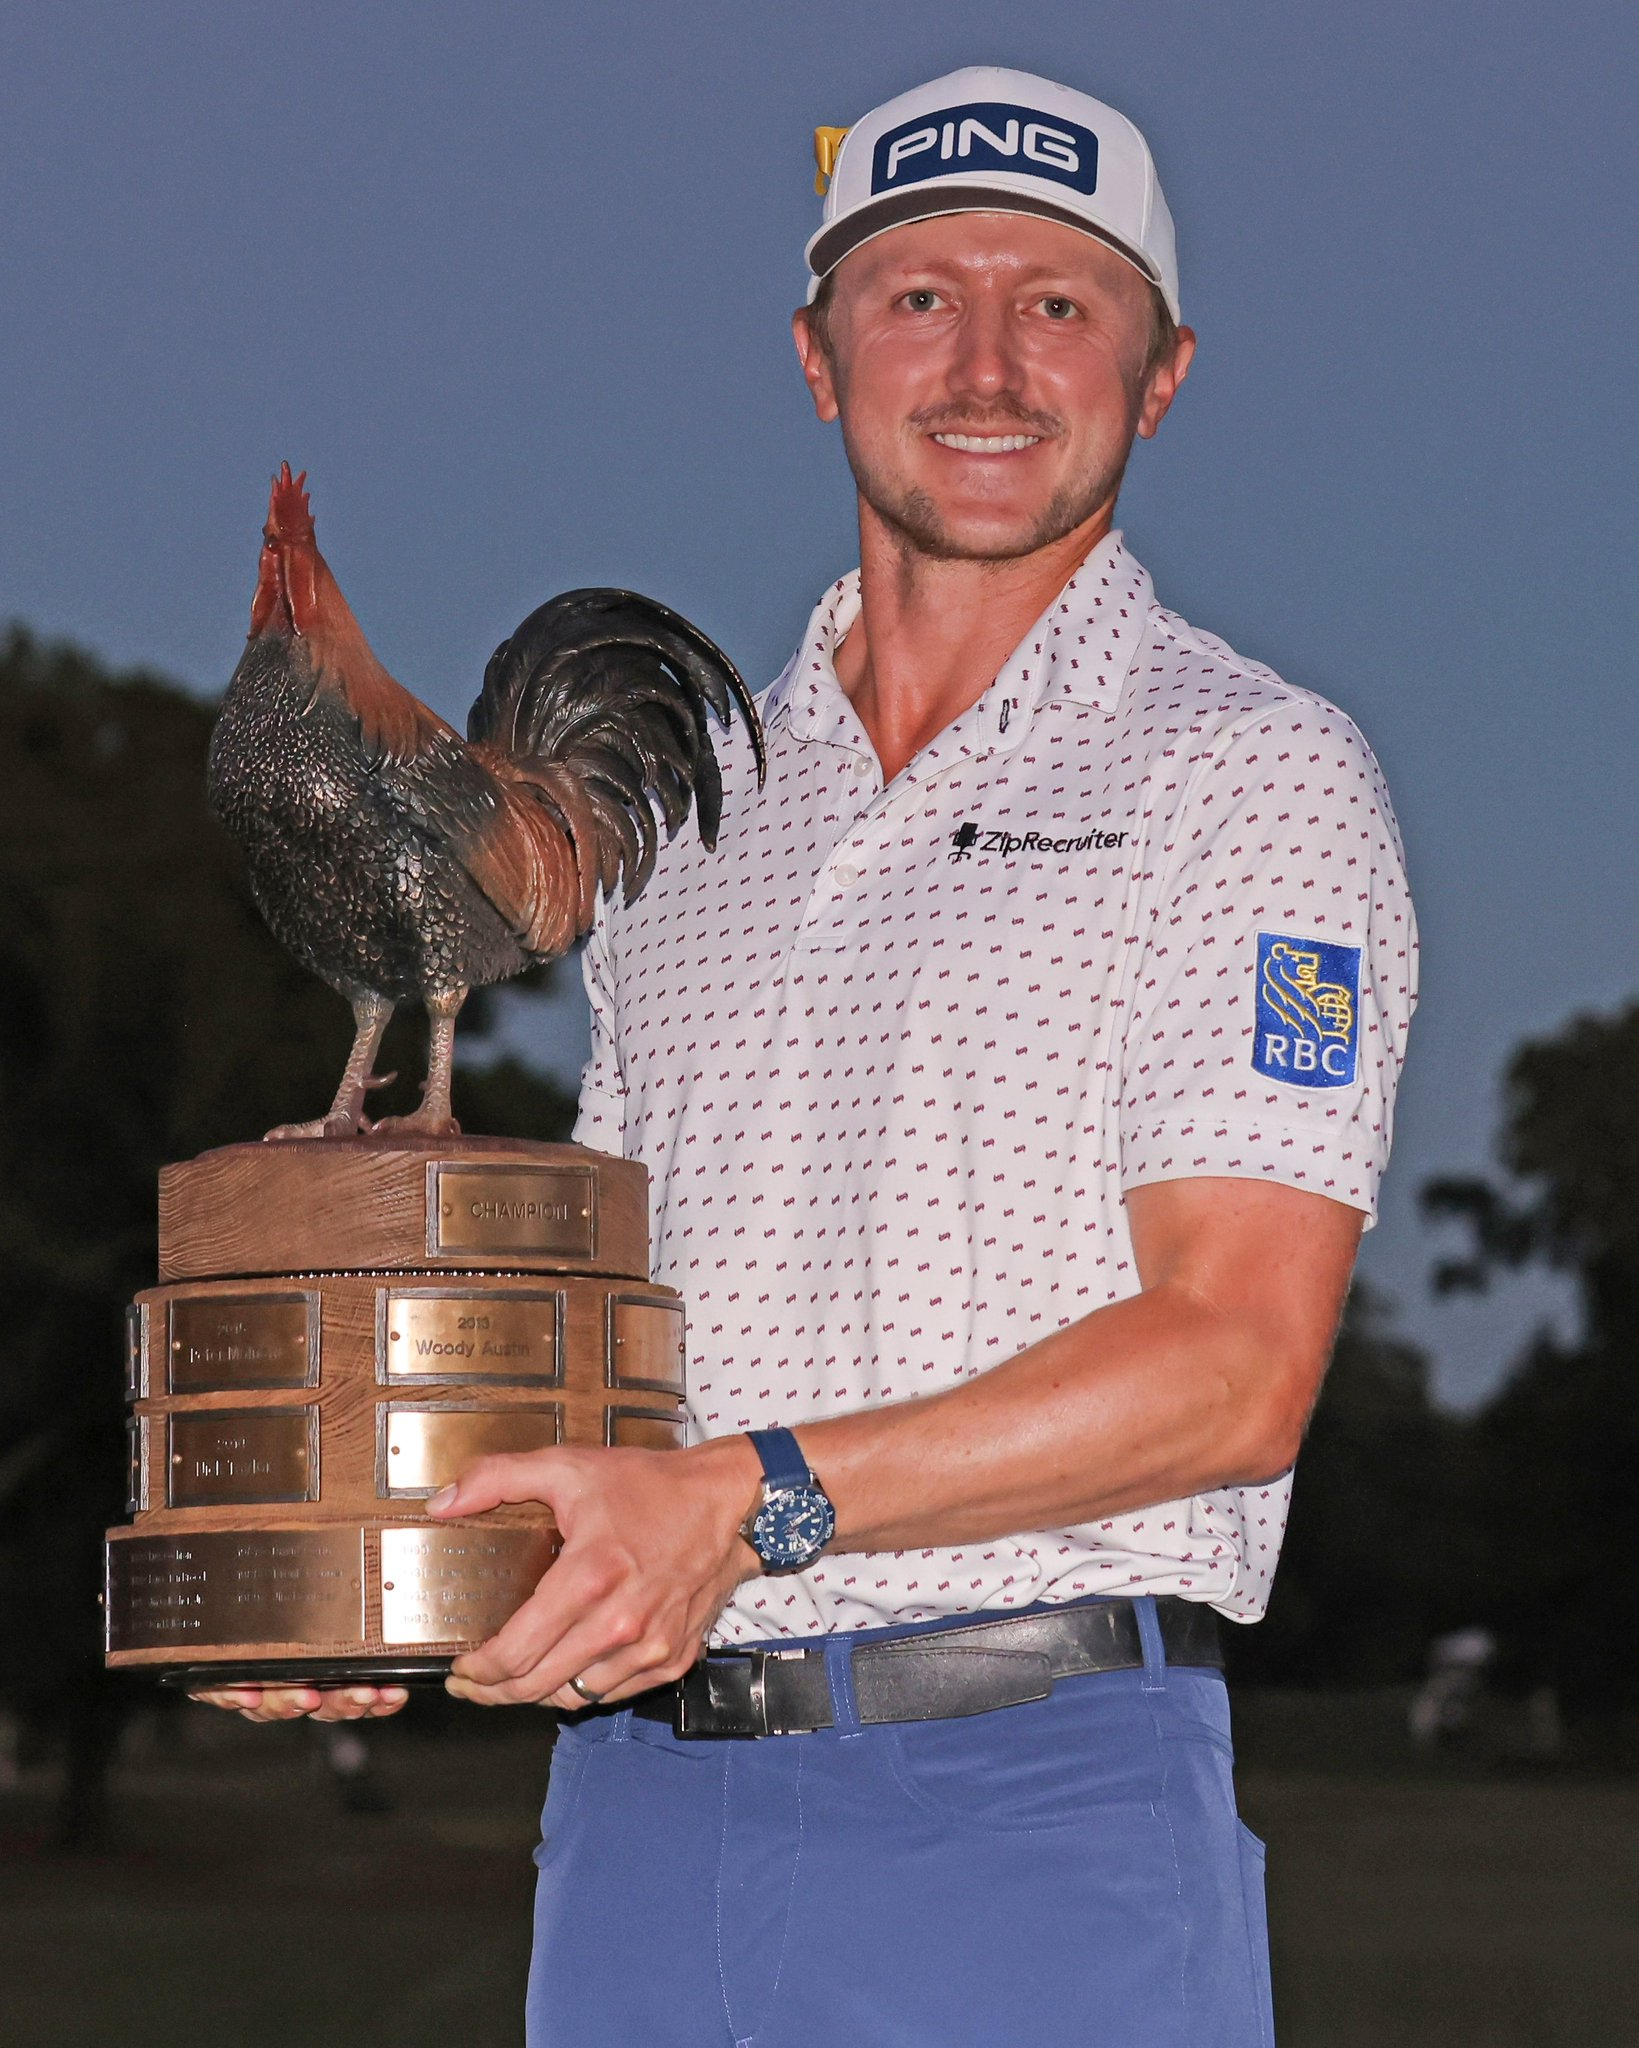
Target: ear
[
  {"x": 1164, "y": 380},
  {"x": 816, "y": 364}
]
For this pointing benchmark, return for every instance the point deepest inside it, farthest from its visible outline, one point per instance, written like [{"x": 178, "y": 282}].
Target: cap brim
[{"x": 899, "y": 209}]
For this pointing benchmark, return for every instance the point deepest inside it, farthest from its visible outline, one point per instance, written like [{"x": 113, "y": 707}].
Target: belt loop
[
  {"x": 839, "y": 1679},
  {"x": 1149, "y": 1635},
  {"x": 622, "y": 1729}
]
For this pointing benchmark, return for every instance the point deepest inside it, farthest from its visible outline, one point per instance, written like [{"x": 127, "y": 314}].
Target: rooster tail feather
[{"x": 610, "y": 691}]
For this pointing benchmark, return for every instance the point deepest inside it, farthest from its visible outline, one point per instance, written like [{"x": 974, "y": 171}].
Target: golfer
[{"x": 1014, "y": 1082}]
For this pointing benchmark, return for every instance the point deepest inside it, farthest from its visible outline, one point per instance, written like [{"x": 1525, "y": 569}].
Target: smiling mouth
[{"x": 988, "y": 444}]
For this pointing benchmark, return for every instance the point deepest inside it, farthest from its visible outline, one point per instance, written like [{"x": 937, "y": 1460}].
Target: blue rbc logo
[
  {"x": 1308, "y": 1011},
  {"x": 986, "y": 136}
]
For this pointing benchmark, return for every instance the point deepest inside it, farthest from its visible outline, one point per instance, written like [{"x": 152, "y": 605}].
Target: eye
[
  {"x": 923, "y": 299},
  {"x": 1057, "y": 307}
]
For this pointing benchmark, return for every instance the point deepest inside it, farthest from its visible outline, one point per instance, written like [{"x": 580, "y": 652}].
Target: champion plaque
[{"x": 339, "y": 1331}]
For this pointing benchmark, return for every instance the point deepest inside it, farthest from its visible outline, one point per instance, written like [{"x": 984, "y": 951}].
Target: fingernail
[
  {"x": 362, "y": 1695},
  {"x": 442, "y": 1499},
  {"x": 395, "y": 1693}
]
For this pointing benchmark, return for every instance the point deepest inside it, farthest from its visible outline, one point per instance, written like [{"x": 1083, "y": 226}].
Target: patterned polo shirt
[{"x": 892, "y": 1056}]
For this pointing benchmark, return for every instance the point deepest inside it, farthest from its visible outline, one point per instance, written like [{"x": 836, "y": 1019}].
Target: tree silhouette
[
  {"x": 1380, "y": 1554},
  {"x": 1559, "y": 1445}
]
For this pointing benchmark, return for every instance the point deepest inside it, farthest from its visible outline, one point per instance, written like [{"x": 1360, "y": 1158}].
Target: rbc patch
[{"x": 1308, "y": 1012}]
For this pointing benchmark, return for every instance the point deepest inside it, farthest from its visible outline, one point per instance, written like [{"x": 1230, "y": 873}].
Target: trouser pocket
[{"x": 1257, "y": 1929}]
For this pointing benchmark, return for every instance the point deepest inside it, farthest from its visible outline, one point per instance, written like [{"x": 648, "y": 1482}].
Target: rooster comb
[{"x": 289, "y": 516}]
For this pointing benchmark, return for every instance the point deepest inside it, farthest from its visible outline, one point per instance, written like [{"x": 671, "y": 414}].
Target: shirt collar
[{"x": 1082, "y": 647}]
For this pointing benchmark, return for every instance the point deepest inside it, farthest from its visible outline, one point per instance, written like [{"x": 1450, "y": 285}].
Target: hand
[
  {"x": 651, "y": 1550},
  {"x": 292, "y": 1702}
]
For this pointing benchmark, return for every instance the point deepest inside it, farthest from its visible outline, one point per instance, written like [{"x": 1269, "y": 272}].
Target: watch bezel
[{"x": 783, "y": 1503}]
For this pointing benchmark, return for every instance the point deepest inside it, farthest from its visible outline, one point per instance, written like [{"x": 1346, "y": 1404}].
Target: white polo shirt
[{"x": 892, "y": 1056}]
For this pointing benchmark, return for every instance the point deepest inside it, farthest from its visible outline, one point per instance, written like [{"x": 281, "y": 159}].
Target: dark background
[{"x": 513, "y": 285}]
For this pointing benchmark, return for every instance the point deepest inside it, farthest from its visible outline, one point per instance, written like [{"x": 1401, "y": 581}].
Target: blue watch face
[{"x": 792, "y": 1527}]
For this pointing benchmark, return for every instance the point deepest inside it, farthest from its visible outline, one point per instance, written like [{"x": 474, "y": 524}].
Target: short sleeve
[
  {"x": 1278, "y": 972},
  {"x": 601, "y": 1119}
]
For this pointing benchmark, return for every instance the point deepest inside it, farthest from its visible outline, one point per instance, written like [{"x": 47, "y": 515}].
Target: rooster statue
[{"x": 402, "y": 863}]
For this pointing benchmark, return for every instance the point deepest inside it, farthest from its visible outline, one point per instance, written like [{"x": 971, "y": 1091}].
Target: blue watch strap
[{"x": 783, "y": 1461}]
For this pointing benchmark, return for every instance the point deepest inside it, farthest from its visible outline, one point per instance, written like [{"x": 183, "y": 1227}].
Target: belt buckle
[{"x": 702, "y": 1709}]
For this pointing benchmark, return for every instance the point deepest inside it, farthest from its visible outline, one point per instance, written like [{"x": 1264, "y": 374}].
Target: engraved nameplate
[
  {"x": 457, "y": 1586},
  {"x": 248, "y": 1456},
  {"x": 282, "y": 1586},
  {"x": 494, "y": 1210},
  {"x": 507, "y": 1337},
  {"x": 645, "y": 1342},
  {"x": 227, "y": 1342},
  {"x": 418, "y": 1450},
  {"x": 136, "y": 1350},
  {"x": 134, "y": 1502},
  {"x": 643, "y": 1429}
]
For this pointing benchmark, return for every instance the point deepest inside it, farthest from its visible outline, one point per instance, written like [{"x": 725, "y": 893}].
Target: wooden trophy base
[{"x": 341, "y": 1328}]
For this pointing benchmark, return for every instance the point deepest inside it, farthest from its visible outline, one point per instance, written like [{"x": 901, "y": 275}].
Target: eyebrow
[{"x": 907, "y": 275}]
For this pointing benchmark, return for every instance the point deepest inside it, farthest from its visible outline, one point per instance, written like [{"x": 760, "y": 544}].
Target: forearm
[{"x": 1151, "y": 1399}]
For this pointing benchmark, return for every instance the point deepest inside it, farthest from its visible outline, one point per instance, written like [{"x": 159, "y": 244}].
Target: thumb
[{"x": 504, "y": 1477}]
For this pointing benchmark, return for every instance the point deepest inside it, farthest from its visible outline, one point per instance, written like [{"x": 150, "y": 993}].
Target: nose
[{"x": 985, "y": 361}]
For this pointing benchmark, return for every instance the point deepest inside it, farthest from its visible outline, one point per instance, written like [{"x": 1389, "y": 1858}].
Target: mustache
[{"x": 1005, "y": 414}]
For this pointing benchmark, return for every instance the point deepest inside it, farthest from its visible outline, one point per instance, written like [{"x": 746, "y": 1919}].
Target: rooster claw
[
  {"x": 346, "y": 1115},
  {"x": 331, "y": 1126}
]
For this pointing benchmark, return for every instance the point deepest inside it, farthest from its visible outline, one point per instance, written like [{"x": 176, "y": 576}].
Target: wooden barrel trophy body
[{"x": 341, "y": 1326}]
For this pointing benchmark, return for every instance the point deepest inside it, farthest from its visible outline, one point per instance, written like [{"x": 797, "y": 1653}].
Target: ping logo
[
  {"x": 1308, "y": 1011},
  {"x": 986, "y": 136}
]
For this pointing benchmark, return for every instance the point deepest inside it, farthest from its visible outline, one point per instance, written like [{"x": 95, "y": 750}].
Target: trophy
[{"x": 349, "y": 1313}]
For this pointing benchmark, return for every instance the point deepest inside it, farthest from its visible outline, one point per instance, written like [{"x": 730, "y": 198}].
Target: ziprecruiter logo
[{"x": 971, "y": 838}]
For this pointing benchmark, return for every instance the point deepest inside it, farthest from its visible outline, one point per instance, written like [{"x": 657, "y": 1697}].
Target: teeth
[{"x": 987, "y": 444}]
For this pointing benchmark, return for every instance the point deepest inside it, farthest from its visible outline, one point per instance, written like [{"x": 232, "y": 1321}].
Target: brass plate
[
  {"x": 457, "y": 1585},
  {"x": 496, "y": 1210},
  {"x": 242, "y": 1456},
  {"x": 646, "y": 1344},
  {"x": 134, "y": 1466},
  {"x": 445, "y": 1335},
  {"x": 136, "y": 1351},
  {"x": 418, "y": 1450},
  {"x": 275, "y": 1586},
  {"x": 227, "y": 1343},
  {"x": 643, "y": 1429}
]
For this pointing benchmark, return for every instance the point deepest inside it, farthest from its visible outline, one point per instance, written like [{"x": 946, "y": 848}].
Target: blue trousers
[{"x": 1066, "y": 1874}]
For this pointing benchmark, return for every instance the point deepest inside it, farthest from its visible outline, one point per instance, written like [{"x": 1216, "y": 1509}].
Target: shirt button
[
  {"x": 847, "y": 874},
  {"x": 861, "y": 765}
]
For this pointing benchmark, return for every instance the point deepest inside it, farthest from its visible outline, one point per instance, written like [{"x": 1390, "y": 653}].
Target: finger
[
  {"x": 584, "y": 1652},
  {"x": 354, "y": 1702},
  {"x": 262, "y": 1702},
  {"x": 618, "y": 1679},
  {"x": 506, "y": 1476},
  {"x": 569, "y": 1593},
  {"x": 283, "y": 1703}
]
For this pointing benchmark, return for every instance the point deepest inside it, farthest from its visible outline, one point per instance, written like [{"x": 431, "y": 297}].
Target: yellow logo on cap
[{"x": 827, "y": 141}]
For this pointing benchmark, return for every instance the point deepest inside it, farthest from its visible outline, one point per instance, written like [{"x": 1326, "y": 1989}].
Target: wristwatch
[{"x": 795, "y": 1519}]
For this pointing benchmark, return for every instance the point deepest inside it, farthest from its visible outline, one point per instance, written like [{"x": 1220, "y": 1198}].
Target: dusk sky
[{"x": 513, "y": 284}]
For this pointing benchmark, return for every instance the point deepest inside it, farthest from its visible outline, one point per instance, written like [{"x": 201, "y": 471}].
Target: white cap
[{"x": 985, "y": 140}]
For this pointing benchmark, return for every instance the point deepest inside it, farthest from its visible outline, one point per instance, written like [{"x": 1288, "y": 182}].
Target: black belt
[{"x": 971, "y": 1669}]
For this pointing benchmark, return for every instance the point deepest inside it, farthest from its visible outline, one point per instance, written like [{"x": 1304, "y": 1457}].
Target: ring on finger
[{"x": 591, "y": 1698}]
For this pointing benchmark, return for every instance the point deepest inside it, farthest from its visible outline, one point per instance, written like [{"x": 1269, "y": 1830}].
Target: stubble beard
[{"x": 911, "y": 514}]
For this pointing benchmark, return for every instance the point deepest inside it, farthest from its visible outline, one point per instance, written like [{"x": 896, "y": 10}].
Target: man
[{"x": 1015, "y": 1082}]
